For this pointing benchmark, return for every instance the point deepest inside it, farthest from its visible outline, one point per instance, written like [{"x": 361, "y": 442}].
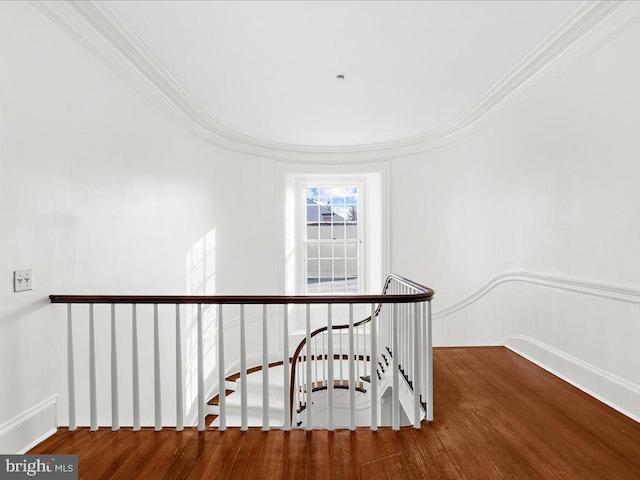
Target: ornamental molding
[{"x": 92, "y": 24}]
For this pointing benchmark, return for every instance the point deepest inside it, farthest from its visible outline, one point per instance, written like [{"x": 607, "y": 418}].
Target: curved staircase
[{"x": 255, "y": 392}]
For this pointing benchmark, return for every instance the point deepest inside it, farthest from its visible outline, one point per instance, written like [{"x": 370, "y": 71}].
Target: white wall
[
  {"x": 552, "y": 186},
  {"x": 101, "y": 193}
]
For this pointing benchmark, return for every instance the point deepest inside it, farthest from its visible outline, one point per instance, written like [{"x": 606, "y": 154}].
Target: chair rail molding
[
  {"x": 611, "y": 389},
  {"x": 602, "y": 290},
  {"x": 592, "y": 26}
]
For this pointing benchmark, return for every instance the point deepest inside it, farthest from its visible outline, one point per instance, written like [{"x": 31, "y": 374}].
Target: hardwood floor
[{"x": 496, "y": 416}]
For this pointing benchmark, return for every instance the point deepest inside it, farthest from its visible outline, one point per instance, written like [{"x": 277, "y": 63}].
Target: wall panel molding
[
  {"x": 611, "y": 389},
  {"x": 602, "y": 290},
  {"x": 592, "y": 26}
]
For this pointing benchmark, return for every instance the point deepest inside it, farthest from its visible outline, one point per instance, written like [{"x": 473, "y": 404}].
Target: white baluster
[
  {"x": 331, "y": 420},
  {"x": 423, "y": 338},
  {"x": 201, "y": 425},
  {"x": 364, "y": 345},
  {"x": 315, "y": 359},
  {"x": 357, "y": 334},
  {"x": 396, "y": 382},
  {"x": 156, "y": 368},
  {"x": 352, "y": 374},
  {"x": 93, "y": 399},
  {"x": 115, "y": 416},
  {"x": 429, "y": 365},
  {"x": 404, "y": 350},
  {"x": 71, "y": 369},
  {"x": 382, "y": 330},
  {"x": 135, "y": 368},
  {"x": 415, "y": 375},
  {"x": 374, "y": 377},
  {"x": 387, "y": 328},
  {"x": 299, "y": 384},
  {"x": 286, "y": 369},
  {"x": 308, "y": 348},
  {"x": 411, "y": 324},
  {"x": 409, "y": 339},
  {"x": 179, "y": 381},
  {"x": 408, "y": 328},
  {"x": 296, "y": 395},
  {"x": 340, "y": 356},
  {"x": 401, "y": 336},
  {"x": 222, "y": 399},
  {"x": 243, "y": 373},
  {"x": 265, "y": 370},
  {"x": 323, "y": 358}
]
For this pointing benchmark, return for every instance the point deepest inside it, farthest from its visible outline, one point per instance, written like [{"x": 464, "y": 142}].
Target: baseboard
[
  {"x": 618, "y": 393},
  {"x": 29, "y": 428}
]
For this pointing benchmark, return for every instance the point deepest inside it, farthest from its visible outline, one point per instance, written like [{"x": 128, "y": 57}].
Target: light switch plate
[{"x": 21, "y": 280}]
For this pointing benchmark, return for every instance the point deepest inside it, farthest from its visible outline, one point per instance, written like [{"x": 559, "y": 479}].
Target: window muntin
[{"x": 332, "y": 233}]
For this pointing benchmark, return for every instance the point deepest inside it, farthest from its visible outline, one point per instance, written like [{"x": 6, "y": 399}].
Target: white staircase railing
[
  {"x": 394, "y": 342},
  {"x": 346, "y": 355}
]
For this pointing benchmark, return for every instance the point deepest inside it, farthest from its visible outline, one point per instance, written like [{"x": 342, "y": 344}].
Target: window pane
[
  {"x": 325, "y": 250},
  {"x": 313, "y": 286},
  {"x": 335, "y": 200},
  {"x": 312, "y": 250},
  {"x": 338, "y": 232},
  {"x": 352, "y": 249},
  {"x": 339, "y": 285},
  {"x": 324, "y": 196},
  {"x": 325, "y": 268},
  {"x": 325, "y": 231},
  {"x": 339, "y": 214},
  {"x": 351, "y": 213},
  {"x": 326, "y": 217},
  {"x": 351, "y": 199},
  {"x": 312, "y": 195},
  {"x": 326, "y": 286},
  {"x": 312, "y": 213},
  {"x": 352, "y": 268},
  {"x": 312, "y": 268},
  {"x": 339, "y": 250},
  {"x": 352, "y": 285},
  {"x": 338, "y": 269},
  {"x": 312, "y": 231},
  {"x": 352, "y": 231}
]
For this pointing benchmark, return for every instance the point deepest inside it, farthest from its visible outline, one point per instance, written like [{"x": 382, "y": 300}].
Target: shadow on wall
[{"x": 200, "y": 280}]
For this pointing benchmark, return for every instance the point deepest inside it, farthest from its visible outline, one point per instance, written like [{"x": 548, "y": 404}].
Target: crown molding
[{"x": 95, "y": 27}]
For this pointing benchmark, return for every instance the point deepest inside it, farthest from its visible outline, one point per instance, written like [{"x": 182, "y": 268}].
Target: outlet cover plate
[{"x": 21, "y": 280}]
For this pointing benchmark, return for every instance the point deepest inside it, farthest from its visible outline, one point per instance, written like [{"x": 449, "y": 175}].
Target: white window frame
[
  {"x": 375, "y": 222},
  {"x": 361, "y": 242}
]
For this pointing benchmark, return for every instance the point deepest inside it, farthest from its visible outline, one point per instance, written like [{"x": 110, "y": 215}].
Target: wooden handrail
[
  {"x": 425, "y": 294},
  {"x": 422, "y": 294}
]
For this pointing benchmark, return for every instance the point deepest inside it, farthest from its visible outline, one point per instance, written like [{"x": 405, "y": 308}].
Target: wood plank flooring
[{"x": 497, "y": 415}]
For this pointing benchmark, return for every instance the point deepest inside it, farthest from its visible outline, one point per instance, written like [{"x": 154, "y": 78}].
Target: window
[
  {"x": 327, "y": 246},
  {"x": 332, "y": 244}
]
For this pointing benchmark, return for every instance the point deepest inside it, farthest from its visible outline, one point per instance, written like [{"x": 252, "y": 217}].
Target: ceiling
[{"x": 268, "y": 70}]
